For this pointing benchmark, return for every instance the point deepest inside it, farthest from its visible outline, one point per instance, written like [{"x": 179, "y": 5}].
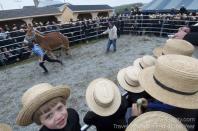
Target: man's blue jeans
[{"x": 110, "y": 42}]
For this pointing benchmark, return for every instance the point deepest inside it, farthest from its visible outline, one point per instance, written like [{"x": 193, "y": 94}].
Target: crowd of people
[{"x": 13, "y": 54}]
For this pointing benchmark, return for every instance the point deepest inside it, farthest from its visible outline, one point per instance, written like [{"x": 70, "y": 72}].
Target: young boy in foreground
[{"x": 45, "y": 105}]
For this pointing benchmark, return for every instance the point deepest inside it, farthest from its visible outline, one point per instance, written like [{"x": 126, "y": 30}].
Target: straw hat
[
  {"x": 5, "y": 127},
  {"x": 35, "y": 97},
  {"x": 156, "y": 121},
  {"x": 174, "y": 46},
  {"x": 128, "y": 79},
  {"x": 145, "y": 61},
  {"x": 174, "y": 80},
  {"x": 103, "y": 97}
]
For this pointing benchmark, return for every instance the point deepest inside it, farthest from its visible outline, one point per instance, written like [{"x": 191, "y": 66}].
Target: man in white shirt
[{"x": 112, "y": 31}]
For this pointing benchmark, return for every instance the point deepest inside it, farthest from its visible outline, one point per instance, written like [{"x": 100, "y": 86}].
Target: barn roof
[
  {"x": 32, "y": 11},
  {"x": 28, "y": 11},
  {"x": 78, "y": 8}
]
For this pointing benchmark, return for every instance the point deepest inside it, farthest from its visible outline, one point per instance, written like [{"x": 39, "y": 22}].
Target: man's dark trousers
[{"x": 45, "y": 57}]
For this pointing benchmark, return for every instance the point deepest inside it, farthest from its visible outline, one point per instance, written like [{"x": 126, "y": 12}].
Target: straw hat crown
[
  {"x": 35, "y": 91},
  {"x": 103, "y": 94},
  {"x": 136, "y": 62},
  {"x": 128, "y": 79},
  {"x": 156, "y": 121},
  {"x": 178, "y": 72},
  {"x": 131, "y": 75},
  {"x": 35, "y": 97},
  {"x": 103, "y": 97},
  {"x": 5, "y": 127},
  {"x": 175, "y": 46},
  {"x": 144, "y": 62},
  {"x": 178, "y": 46},
  {"x": 147, "y": 61},
  {"x": 173, "y": 80}
]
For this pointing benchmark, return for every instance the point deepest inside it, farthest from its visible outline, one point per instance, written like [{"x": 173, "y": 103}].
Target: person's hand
[
  {"x": 135, "y": 110},
  {"x": 142, "y": 102},
  {"x": 40, "y": 61}
]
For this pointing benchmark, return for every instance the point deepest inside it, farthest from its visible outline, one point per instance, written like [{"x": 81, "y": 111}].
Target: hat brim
[
  {"x": 136, "y": 63},
  {"x": 123, "y": 84},
  {"x": 157, "y": 52},
  {"x": 98, "y": 109},
  {"x": 5, "y": 127},
  {"x": 156, "y": 119},
  {"x": 24, "y": 117},
  {"x": 183, "y": 101}
]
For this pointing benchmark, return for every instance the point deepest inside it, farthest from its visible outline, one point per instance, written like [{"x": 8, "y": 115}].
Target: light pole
[{"x": 1, "y": 6}]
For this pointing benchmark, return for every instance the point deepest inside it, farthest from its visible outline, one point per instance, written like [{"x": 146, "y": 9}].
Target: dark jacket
[
  {"x": 186, "y": 116},
  {"x": 115, "y": 122},
  {"x": 72, "y": 122},
  {"x": 192, "y": 38}
]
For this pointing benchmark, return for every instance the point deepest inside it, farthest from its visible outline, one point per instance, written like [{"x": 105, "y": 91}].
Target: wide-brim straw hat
[
  {"x": 103, "y": 97},
  {"x": 156, "y": 121},
  {"x": 35, "y": 97},
  {"x": 174, "y": 46},
  {"x": 144, "y": 62},
  {"x": 5, "y": 127},
  {"x": 128, "y": 79},
  {"x": 173, "y": 80}
]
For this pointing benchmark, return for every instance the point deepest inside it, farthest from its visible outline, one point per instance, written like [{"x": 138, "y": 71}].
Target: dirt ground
[{"x": 87, "y": 63}]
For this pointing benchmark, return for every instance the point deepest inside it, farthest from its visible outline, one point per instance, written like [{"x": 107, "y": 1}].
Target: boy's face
[{"x": 56, "y": 118}]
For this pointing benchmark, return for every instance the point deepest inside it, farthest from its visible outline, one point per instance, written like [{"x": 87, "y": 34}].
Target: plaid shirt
[{"x": 37, "y": 50}]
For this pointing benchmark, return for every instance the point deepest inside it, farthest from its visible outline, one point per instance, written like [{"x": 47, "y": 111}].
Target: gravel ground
[{"x": 87, "y": 63}]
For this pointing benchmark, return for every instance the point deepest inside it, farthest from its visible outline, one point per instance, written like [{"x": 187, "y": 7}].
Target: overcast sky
[{"x": 13, "y": 4}]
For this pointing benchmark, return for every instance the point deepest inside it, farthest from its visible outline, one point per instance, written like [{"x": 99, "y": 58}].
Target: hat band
[
  {"x": 130, "y": 84},
  {"x": 141, "y": 66},
  {"x": 104, "y": 105},
  {"x": 171, "y": 89}
]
